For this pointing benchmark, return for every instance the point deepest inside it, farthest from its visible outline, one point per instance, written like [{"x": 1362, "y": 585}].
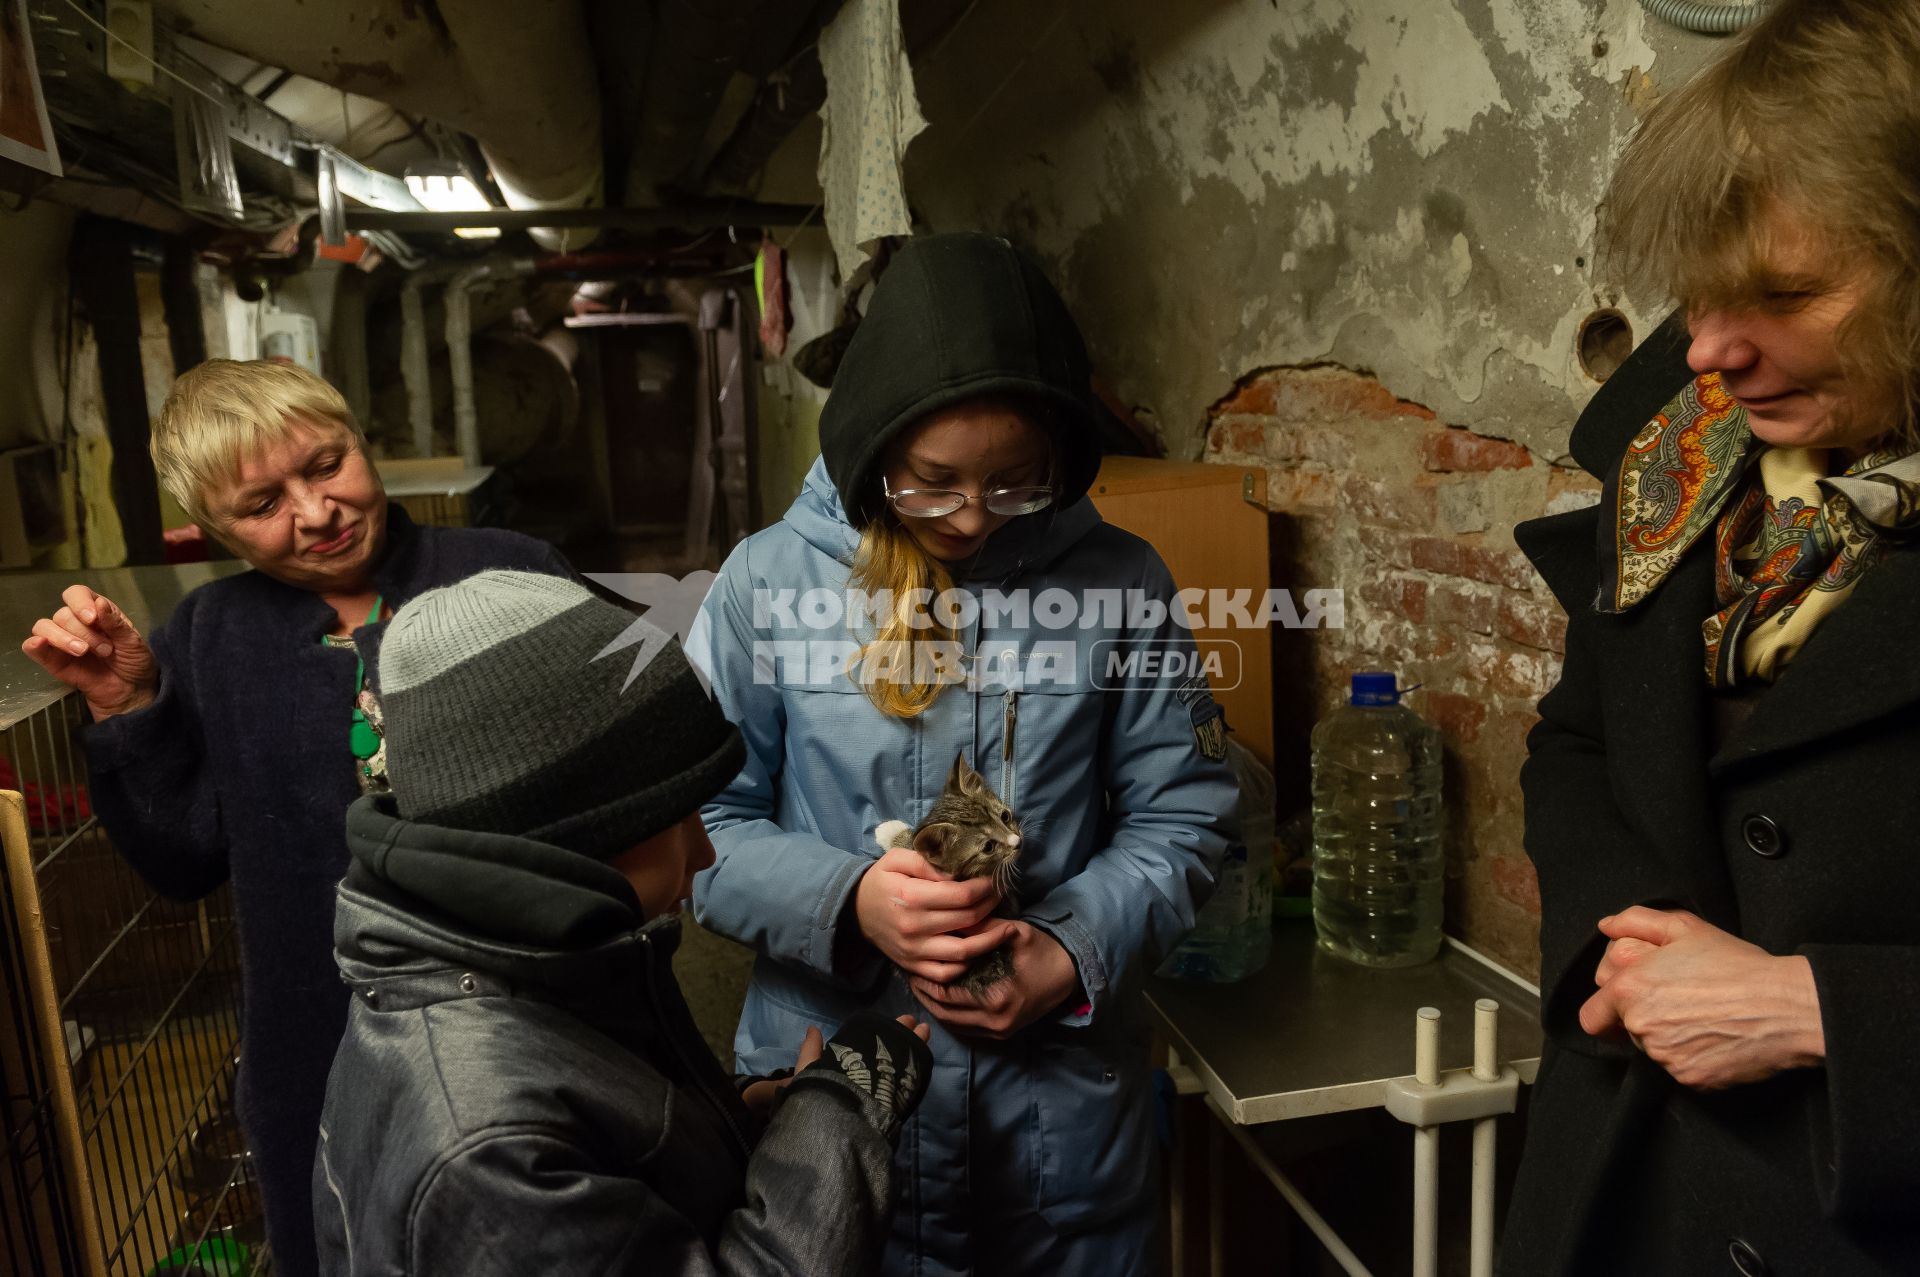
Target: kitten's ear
[
  {"x": 971, "y": 782},
  {"x": 933, "y": 840},
  {"x": 957, "y": 777}
]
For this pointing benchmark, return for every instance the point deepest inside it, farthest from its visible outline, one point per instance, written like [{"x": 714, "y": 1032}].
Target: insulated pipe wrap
[
  {"x": 466, "y": 415},
  {"x": 1703, "y": 18}
]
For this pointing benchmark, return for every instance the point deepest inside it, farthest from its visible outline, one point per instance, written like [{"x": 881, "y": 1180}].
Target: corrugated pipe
[
  {"x": 1706, "y": 19},
  {"x": 466, "y": 417}
]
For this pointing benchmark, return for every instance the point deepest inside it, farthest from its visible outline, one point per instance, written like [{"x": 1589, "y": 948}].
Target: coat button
[
  {"x": 372, "y": 996},
  {"x": 468, "y": 984},
  {"x": 1763, "y": 837},
  {"x": 1746, "y": 1260}
]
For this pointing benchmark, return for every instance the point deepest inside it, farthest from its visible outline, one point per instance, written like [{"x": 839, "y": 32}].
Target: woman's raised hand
[
  {"x": 907, "y": 909},
  {"x": 91, "y": 646}
]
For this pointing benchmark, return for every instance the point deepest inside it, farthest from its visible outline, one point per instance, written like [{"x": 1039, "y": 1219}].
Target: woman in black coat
[{"x": 1723, "y": 793}]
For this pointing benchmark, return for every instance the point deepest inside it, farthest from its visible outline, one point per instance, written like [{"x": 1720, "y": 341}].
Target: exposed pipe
[
  {"x": 1486, "y": 1068},
  {"x": 1426, "y": 1150},
  {"x": 587, "y": 195},
  {"x": 701, "y": 216},
  {"x": 466, "y": 416},
  {"x": 415, "y": 371},
  {"x": 1703, "y": 18},
  {"x": 518, "y": 77}
]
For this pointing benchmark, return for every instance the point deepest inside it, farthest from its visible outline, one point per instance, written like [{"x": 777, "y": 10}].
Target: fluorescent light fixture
[{"x": 452, "y": 193}]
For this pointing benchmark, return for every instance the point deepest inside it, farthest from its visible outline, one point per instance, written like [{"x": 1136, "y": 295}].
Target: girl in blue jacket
[{"x": 957, "y": 448}]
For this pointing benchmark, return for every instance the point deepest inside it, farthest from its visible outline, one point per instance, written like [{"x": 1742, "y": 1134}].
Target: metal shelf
[{"x": 1312, "y": 1034}]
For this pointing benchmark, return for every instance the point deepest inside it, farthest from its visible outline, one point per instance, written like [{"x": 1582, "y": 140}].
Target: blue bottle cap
[{"x": 1375, "y": 689}]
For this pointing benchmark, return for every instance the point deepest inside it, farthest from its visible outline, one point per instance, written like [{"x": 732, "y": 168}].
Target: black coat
[
  {"x": 543, "y": 1104},
  {"x": 240, "y": 770},
  {"x": 1814, "y": 1171}
]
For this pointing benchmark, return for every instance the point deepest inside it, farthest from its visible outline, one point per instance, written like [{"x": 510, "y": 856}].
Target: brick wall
[{"x": 1413, "y": 519}]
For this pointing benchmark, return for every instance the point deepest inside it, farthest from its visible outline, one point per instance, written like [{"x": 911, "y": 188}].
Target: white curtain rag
[{"x": 870, "y": 115}]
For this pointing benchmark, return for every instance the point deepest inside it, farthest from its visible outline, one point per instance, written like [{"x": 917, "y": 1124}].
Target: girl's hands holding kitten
[
  {"x": 906, "y": 908},
  {"x": 1043, "y": 977}
]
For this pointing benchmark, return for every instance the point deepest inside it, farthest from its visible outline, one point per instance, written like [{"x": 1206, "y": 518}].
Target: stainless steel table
[{"x": 1311, "y": 1034}]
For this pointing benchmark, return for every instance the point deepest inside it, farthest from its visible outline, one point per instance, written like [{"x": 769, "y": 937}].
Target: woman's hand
[
  {"x": 1705, "y": 1005},
  {"x": 906, "y": 908},
  {"x": 1043, "y": 977},
  {"x": 91, "y": 646}
]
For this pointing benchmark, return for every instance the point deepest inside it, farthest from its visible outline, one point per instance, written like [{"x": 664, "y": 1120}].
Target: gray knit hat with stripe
[{"x": 517, "y": 703}]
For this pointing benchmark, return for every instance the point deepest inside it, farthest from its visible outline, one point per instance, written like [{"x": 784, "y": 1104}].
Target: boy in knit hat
[{"x": 521, "y": 1088}]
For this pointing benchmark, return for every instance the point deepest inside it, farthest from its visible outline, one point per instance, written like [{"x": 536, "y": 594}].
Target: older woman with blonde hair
[
  {"x": 1721, "y": 795},
  {"x": 230, "y": 746}
]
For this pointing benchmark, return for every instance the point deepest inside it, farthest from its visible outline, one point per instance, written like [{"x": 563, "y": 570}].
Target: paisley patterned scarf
[{"x": 1791, "y": 540}]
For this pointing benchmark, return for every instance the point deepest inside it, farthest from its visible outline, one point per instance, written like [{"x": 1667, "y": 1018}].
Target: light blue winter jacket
[{"x": 1127, "y": 820}]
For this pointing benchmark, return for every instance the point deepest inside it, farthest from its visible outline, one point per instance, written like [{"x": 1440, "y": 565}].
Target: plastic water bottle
[
  {"x": 1377, "y": 856},
  {"x": 1232, "y": 935}
]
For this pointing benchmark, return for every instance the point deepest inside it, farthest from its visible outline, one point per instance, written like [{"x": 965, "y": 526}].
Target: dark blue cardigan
[{"x": 239, "y": 771}]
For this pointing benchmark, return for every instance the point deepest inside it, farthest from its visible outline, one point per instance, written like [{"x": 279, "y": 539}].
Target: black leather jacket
[{"x": 501, "y": 1108}]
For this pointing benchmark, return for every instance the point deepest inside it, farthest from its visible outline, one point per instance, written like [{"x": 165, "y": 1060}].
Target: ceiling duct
[{"x": 518, "y": 77}]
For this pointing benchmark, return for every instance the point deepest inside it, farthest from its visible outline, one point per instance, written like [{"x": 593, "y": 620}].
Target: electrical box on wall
[
  {"x": 289, "y": 337},
  {"x": 130, "y": 51}
]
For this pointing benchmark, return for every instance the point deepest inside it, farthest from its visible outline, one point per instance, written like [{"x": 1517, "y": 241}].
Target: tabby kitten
[{"x": 968, "y": 833}]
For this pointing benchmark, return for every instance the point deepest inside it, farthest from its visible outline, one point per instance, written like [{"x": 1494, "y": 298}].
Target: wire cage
[{"x": 119, "y": 1153}]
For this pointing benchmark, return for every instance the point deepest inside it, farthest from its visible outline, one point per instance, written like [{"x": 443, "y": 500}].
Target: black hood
[
  {"x": 956, "y": 317},
  {"x": 509, "y": 889},
  {"x": 423, "y": 911}
]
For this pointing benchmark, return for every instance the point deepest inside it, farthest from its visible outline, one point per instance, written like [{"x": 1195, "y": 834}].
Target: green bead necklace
[{"x": 361, "y": 738}]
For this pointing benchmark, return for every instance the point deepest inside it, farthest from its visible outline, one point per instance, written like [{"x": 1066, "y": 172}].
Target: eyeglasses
[{"x": 931, "y": 503}]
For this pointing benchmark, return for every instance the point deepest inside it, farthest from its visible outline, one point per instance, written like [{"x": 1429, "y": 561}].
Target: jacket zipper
[{"x": 1006, "y": 749}]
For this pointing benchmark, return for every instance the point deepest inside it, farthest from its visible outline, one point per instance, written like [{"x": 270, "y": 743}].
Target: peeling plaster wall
[
  {"x": 1406, "y": 188},
  {"x": 1350, "y": 241},
  {"x": 34, "y": 408}
]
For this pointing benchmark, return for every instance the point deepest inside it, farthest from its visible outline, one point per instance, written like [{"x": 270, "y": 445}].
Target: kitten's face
[{"x": 970, "y": 833}]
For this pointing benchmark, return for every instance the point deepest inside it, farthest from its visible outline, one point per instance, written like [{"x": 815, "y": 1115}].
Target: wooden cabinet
[{"x": 1210, "y": 524}]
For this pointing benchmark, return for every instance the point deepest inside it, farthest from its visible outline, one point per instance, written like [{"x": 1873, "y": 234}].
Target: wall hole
[{"x": 1604, "y": 342}]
